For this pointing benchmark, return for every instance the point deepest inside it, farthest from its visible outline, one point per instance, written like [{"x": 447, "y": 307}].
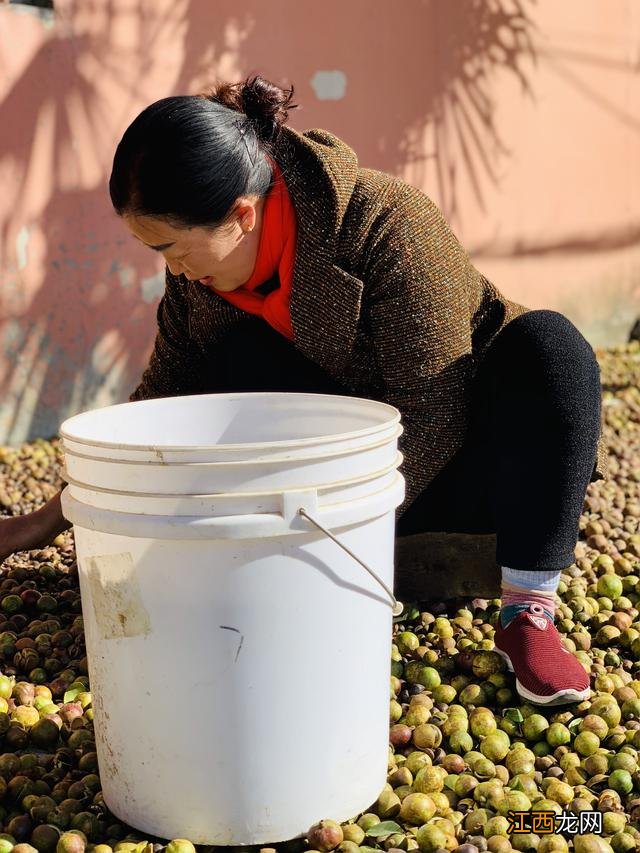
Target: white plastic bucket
[{"x": 239, "y": 658}]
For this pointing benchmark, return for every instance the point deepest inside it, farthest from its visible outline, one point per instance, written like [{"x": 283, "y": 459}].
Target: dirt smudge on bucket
[{"x": 115, "y": 593}]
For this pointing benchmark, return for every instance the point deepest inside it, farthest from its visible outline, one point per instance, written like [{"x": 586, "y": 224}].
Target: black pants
[{"x": 530, "y": 450}]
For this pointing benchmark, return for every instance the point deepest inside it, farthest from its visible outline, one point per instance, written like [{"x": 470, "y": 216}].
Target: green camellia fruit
[
  {"x": 454, "y": 723},
  {"x": 497, "y": 844},
  {"x": 388, "y": 805},
  {"x": 624, "y": 842},
  {"x": 444, "y": 693},
  {"x": 497, "y": 825},
  {"x": 560, "y": 792},
  {"x": 607, "y": 708},
  {"x": 368, "y": 820},
  {"x": 557, "y": 735},
  {"x": 546, "y": 806},
  {"x": 552, "y": 844},
  {"x": 443, "y": 628},
  {"x": 534, "y": 727},
  {"x": 514, "y": 801},
  {"x": 590, "y": 844},
  {"x": 417, "y": 809},
  {"x": 428, "y": 677},
  {"x": 596, "y": 764},
  {"x": 613, "y": 822},
  {"x": 621, "y": 781},
  {"x": 427, "y": 736},
  {"x": 353, "y": 832},
  {"x": 484, "y": 769},
  {"x": 631, "y": 709},
  {"x": 623, "y": 761},
  {"x": 71, "y": 842},
  {"x": 586, "y": 743},
  {"x": 416, "y": 761},
  {"x": 431, "y": 838},
  {"x": 489, "y": 794},
  {"x": 26, "y": 715},
  {"x": 482, "y": 722},
  {"x": 594, "y": 723},
  {"x": 417, "y": 715},
  {"x": 465, "y": 783},
  {"x": 610, "y": 586},
  {"x": 402, "y": 792},
  {"x": 460, "y": 742},
  {"x": 473, "y": 694},
  {"x": 525, "y": 842},
  {"x": 11, "y": 604},
  {"x": 486, "y": 663},
  {"x": 6, "y": 687},
  {"x": 407, "y": 642},
  {"x": 520, "y": 762},
  {"x": 429, "y": 780},
  {"x": 495, "y": 746}
]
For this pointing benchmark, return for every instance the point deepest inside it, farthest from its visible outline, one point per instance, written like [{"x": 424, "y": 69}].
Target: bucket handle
[{"x": 396, "y": 606}]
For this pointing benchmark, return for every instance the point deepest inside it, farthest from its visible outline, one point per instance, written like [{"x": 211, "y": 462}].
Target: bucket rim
[
  {"x": 319, "y": 487},
  {"x": 160, "y": 462},
  {"x": 255, "y": 445}
]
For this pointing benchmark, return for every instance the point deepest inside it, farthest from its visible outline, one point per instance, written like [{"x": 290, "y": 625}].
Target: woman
[{"x": 290, "y": 268}]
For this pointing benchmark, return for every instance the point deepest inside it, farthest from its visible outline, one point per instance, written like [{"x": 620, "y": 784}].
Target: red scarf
[{"x": 276, "y": 254}]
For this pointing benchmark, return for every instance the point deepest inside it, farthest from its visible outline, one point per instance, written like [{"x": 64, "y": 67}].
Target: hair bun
[{"x": 265, "y": 104}]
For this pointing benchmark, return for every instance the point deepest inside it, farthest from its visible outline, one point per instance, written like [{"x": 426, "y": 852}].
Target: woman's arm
[
  {"x": 417, "y": 282},
  {"x": 176, "y": 366},
  {"x": 35, "y": 530}
]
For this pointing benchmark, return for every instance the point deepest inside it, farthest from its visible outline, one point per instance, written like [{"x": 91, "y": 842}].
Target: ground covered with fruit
[{"x": 464, "y": 751}]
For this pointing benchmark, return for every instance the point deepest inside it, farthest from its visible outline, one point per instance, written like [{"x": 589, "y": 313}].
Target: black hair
[{"x": 188, "y": 158}]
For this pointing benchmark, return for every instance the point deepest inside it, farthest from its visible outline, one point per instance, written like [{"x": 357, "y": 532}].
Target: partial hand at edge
[{"x": 35, "y": 530}]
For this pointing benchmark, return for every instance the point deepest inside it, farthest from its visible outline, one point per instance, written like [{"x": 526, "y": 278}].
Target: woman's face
[{"x": 220, "y": 258}]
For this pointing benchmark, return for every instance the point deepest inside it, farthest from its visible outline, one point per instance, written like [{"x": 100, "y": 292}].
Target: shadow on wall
[{"x": 78, "y": 296}]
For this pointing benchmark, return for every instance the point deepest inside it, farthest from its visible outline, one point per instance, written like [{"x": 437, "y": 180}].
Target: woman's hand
[{"x": 35, "y": 530}]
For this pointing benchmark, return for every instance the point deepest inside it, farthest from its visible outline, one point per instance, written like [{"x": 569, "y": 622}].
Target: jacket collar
[{"x": 320, "y": 172}]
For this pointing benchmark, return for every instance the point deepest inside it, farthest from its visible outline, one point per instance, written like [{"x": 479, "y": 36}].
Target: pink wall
[{"x": 521, "y": 120}]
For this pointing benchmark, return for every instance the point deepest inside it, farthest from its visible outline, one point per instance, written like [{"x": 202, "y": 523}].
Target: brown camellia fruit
[
  {"x": 45, "y": 838},
  {"x": 427, "y": 736},
  {"x": 399, "y": 734},
  {"x": 20, "y": 827},
  {"x": 325, "y": 835}
]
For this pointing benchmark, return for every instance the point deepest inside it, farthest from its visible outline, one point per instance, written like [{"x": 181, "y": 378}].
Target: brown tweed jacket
[{"x": 384, "y": 299}]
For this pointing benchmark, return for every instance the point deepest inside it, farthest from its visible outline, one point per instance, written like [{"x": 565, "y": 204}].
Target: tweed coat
[{"x": 384, "y": 299}]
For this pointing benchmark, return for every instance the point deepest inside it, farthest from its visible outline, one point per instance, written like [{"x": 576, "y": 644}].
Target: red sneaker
[{"x": 546, "y": 673}]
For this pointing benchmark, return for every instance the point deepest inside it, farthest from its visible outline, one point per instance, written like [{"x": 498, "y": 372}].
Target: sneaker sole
[{"x": 562, "y": 697}]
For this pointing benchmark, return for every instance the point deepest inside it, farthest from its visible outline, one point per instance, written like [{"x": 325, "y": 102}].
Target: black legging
[{"x": 530, "y": 450}]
